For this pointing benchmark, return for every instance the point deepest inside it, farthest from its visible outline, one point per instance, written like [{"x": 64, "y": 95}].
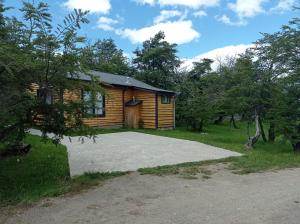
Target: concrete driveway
[{"x": 129, "y": 151}]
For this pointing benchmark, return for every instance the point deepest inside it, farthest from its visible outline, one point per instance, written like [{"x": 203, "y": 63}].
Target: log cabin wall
[
  {"x": 165, "y": 113},
  {"x": 116, "y": 97},
  {"x": 147, "y": 109},
  {"x": 127, "y": 96},
  {"x": 113, "y": 110},
  {"x": 128, "y": 93}
]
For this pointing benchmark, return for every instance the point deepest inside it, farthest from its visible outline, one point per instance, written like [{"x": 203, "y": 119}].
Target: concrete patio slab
[{"x": 129, "y": 151}]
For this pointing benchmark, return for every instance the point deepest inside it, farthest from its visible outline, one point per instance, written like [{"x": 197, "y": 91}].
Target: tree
[
  {"x": 287, "y": 109},
  {"x": 277, "y": 63},
  {"x": 104, "y": 56},
  {"x": 266, "y": 51},
  {"x": 195, "y": 104},
  {"x": 201, "y": 68},
  {"x": 33, "y": 52},
  {"x": 262, "y": 85},
  {"x": 156, "y": 62},
  {"x": 249, "y": 93},
  {"x": 227, "y": 104}
]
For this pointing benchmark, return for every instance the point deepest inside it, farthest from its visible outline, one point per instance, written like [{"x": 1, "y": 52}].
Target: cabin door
[{"x": 132, "y": 116}]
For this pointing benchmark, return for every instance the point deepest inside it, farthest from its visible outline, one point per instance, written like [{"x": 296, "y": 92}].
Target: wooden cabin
[{"x": 127, "y": 102}]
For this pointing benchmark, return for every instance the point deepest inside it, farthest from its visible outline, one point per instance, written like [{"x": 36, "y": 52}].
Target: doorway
[{"x": 132, "y": 116}]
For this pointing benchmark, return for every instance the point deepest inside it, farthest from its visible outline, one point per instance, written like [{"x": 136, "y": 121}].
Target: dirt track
[{"x": 271, "y": 197}]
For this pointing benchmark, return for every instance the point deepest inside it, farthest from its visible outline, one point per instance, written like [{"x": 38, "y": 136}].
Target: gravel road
[{"x": 261, "y": 198}]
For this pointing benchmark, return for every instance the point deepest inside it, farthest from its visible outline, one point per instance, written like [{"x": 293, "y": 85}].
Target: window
[
  {"x": 94, "y": 107},
  {"x": 45, "y": 96},
  {"x": 99, "y": 104},
  {"x": 165, "y": 99},
  {"x": 87, "y": 97}
]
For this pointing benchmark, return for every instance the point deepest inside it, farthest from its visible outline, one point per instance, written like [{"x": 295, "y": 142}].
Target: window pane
[
  {"x": 165, "y": 99},
  {"x": 88, "y": 110},
  {"x": 93, "y": 107},
  {"x": 45, "y": 96},
  {"x": 48, "y": 98},
  {"x": 87, "y": 95},
  {"x": 98, "y": 111},
  {"x": 99, "y": 105}
]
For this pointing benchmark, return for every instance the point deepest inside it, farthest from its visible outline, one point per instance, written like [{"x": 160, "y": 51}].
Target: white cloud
[
  {"x": 186, "y": 3},
  {"x": 189, "y": 3},
  {"x": 247, "y": 8},
  {"x": 128, "y": 55},
  {"x": 186, "y": 32},
  {"x": 284, "y": 5},
  {"x": 144, "y": 2},
  {"x": 106, "y": 23},
  {"x": 226, "y": 20},
  {"x": 200, "y": 13},
  {"x": 219, "y": 54},
  {"x": 244, "y": 9},
  {"x": 167, "y": 14},
  {"x": 94, "y": 6}
]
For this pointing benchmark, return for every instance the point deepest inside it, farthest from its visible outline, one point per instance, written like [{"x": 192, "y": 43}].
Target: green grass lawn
[
  {"x": 265, "y": 156},
  {"x": 43, "y": 172}
]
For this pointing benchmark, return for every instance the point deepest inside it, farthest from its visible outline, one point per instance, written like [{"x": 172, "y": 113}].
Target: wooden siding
[
  {"x": 33, "y": 88},
  {"x": 147, "y": 109},
  {"x": 127, "y": 96},
  {"x": 165, "y": 114},
  {"x": 114, "y": 113},
  {"x": 113, "y": 110}
]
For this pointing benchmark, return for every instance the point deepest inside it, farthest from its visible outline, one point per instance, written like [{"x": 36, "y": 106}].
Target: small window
[
  {"x": 45, "y": 96},
  {"x": 87, "y": 97},
  {"x": 99, "y": 105},
  {"x": 165, "y": 99},
  {"x": 95, "y": 108}
]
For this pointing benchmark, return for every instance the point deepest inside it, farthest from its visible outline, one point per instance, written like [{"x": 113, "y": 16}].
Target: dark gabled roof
[
  {"x": 133, "y": 102},
  {"x": 120, "y": 80}
]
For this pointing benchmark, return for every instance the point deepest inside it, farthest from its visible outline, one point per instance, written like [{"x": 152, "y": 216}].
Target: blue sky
[{"x": 201, "y": 28}]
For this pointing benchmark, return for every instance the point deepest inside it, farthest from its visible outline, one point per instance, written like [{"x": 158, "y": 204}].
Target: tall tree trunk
[
  {"x": 263, "y": 135},
  {"x": 252, "y": 140},
  {"x": 271, "y": 131},
  {"x": 232, "y": 121}
]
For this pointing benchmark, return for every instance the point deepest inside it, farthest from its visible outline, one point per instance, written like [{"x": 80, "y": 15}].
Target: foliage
[
  {"x": 261, "y": 84},
  {"x": 104, "y": 56},
  {"x": 156, "y": 62},
  {"x": 32, "y": 51},
  {"x": 287, "y": 110},
  {"x": 198, "y": 96}
]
